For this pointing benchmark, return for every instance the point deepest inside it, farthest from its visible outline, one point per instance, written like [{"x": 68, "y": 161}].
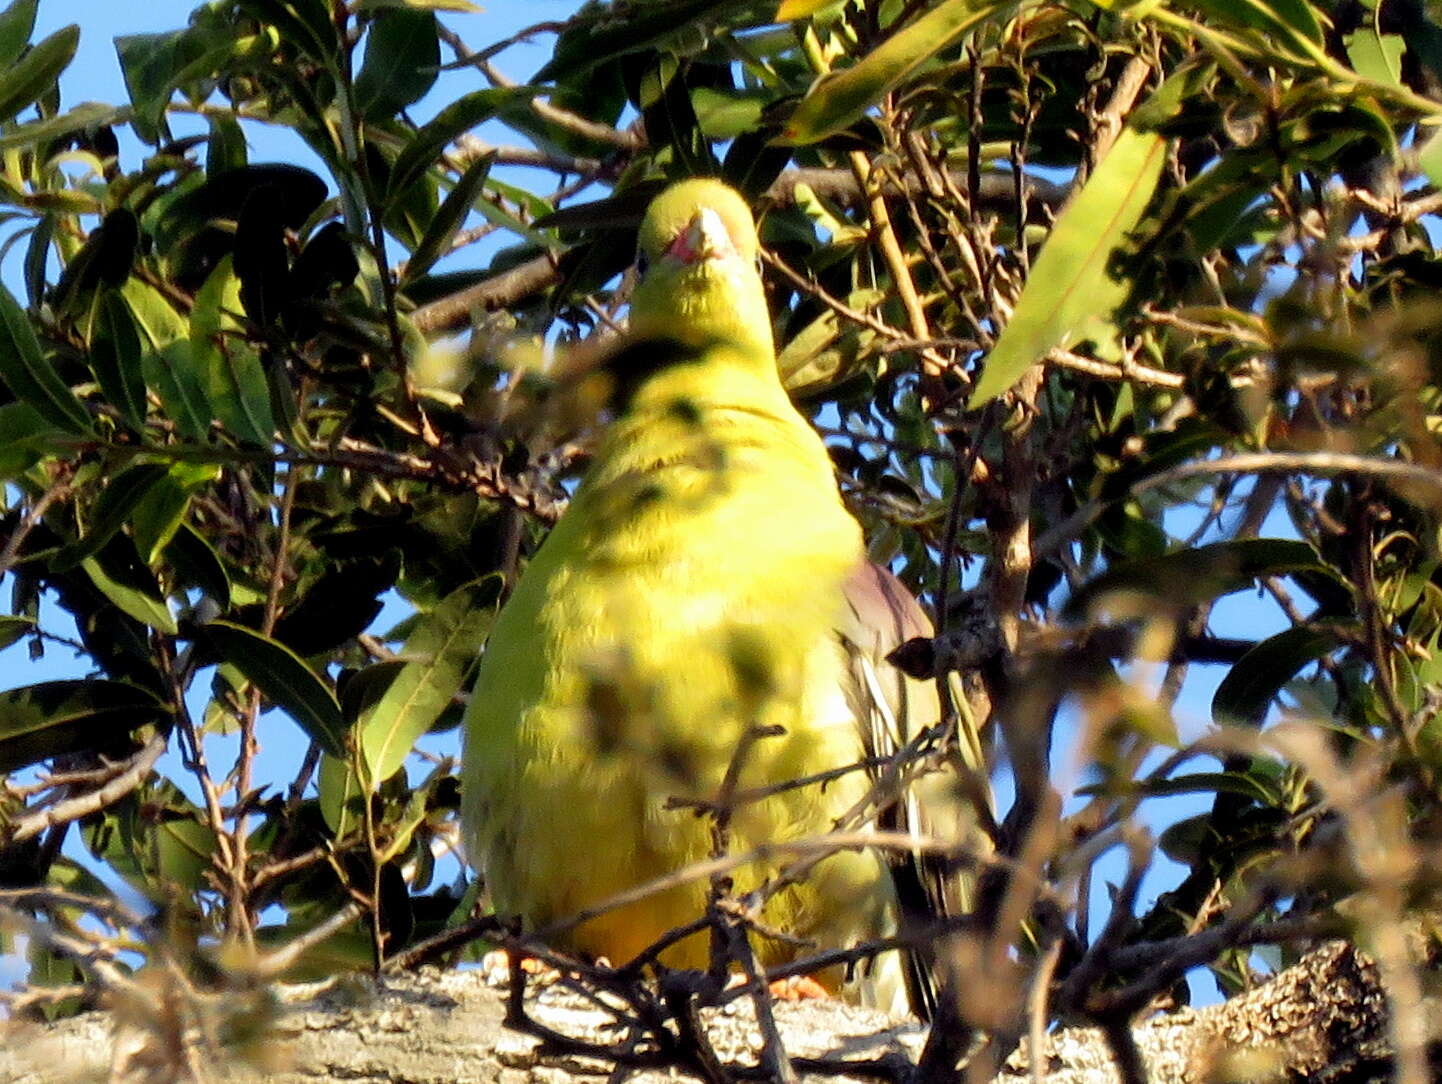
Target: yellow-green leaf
[
  {"x": 439, "y": 653},
  {"x": 228, "y": 367},
  {"x": 131, "y": 594},
  {"x": 29, "y": 376},
  {"x": 839, "y": 98},
  {"x": 788, "y": 10},
  {"x": 1072, "y": 284}
]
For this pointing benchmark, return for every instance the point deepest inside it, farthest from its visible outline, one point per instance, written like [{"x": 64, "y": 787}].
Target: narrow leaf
[
  {"x": 160, "y": 510},
  {"x": 341, "y": 794},
  {"x": 115, "y": 358},
  {"x": 196, "y": 564},
  {"x": 229, "y": 369},
  {"x": 1254, "y": 681},
  {"x": 29, "y": 376},
  {"x": 1073, "y": 283},
  {"x": 788, "y": 10},
  {"x": 449, "y": 218},
  {"x": 449, "y": 124},
  {"x": 839, "y": 98},
  {"x": 37, "y": 72},
  {"x": 84, "y": 115},
  {"x": 285, "y": 679},
  {"x": 58, "y": 717},
  {"x": 13, "y": 628},
  {"x": 171, "y": 372},
  {"x": 1190, "y": 577},
  {"x": 402, "y": 59},
  {"x": 110, "y": 512},
  {"x": 17, "y": 23},
  {"x": 133, "y": 594},
  {"x": 440, "y": 653}
]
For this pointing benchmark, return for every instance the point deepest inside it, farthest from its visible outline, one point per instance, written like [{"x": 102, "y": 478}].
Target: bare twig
[{"x": 132, "y": 774}]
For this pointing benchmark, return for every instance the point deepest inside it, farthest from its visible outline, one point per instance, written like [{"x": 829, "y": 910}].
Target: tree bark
[{"x": 1323, "y": 1019}]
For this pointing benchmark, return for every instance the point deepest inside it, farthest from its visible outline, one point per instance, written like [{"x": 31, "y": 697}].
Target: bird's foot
[
  {"x": 798, "y": 988},
  {"x": 496, "y": 969},
  {"x": 794, "y": 988}
]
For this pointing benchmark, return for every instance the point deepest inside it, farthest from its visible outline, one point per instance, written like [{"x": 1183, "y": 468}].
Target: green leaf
[
  {"x": 1255, "y": 679},
  {"x": 37, "y": 72},
  {"x": 229, "y": 370},
  {"x": 465, "y": 113},
  {"x": 160, "y": 510},
  {"x": 1190, "y": 577},
  {"x": 133, "y": 591},
  {"x": 341, "y": 794},
  {"x": 594, "y": 35},
  {"x": 147, "y": 61},
  {"x": 156, "y": 317},
  {"x": 17, "y": 23},
  {"x": 85, "y": 115},
  {"x": 449, "y": 218},
  {"x": 28, "y": 439},
  {"x": 1285, "y": 18},
  {"x": 13, "y": 628},
  {"x": 171, "y": 372},
  {"x": 111, "y": 511},
  {"x": 183, "y": 849},
  {"x": 838, "y": 98},
  {"x": 285, "y": 679},
  {"x": 225, "y": 149},
  {"x": 305, "y": 24},
  {"x": 402, "y": 59},
  {"x": 1375, "y": 55},
  {"x": 1429, "y": 157},
  {"x": 115, "y": 359},
  {"x": 440, "y": 653},
  {"x": 1073, "y": 284},
  {"x": 28, "y": 375},
  {"x": 789, "y": 10},
  {"x": 196, "y": 564},
  {"x": 58, "y": 717},
  {"x": 37, "y": 257},
  {"x": 227, "y": 59}
]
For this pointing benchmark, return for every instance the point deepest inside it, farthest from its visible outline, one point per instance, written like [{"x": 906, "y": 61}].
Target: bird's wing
[{"x": 892, "y": 709}]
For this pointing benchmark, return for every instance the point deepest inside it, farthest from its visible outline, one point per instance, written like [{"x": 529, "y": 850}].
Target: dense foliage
[{"x": 1107, "y": 311}]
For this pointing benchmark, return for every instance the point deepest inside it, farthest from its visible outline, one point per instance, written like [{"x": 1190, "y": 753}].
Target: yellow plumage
[{"x": 695, "y": 587}]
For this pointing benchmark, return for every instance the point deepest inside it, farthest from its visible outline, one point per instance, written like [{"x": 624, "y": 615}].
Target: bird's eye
[{"x": 642, "y": 261}]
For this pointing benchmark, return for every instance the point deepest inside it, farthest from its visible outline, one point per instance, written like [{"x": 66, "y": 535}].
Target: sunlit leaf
[
  {"x": 132, "y": 590},
  {"x": 1073, "y": 285},
  {"x": 228, "y": 367},
  {"x": 799, "y": 9},
  {"x": 440, "y": 652},
  {"x": 36, "y": 72},
  {"x": 840, "y": 97}
]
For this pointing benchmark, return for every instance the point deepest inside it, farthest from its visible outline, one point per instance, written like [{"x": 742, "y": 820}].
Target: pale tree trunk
[{"x": 1324, "y": 1019}]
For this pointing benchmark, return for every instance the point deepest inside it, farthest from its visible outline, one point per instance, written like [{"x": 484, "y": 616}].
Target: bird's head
[{"x": 697, "y": 260}]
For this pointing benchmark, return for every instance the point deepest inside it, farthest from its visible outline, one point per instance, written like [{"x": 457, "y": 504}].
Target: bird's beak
[{"x": 704, "y": 238}]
